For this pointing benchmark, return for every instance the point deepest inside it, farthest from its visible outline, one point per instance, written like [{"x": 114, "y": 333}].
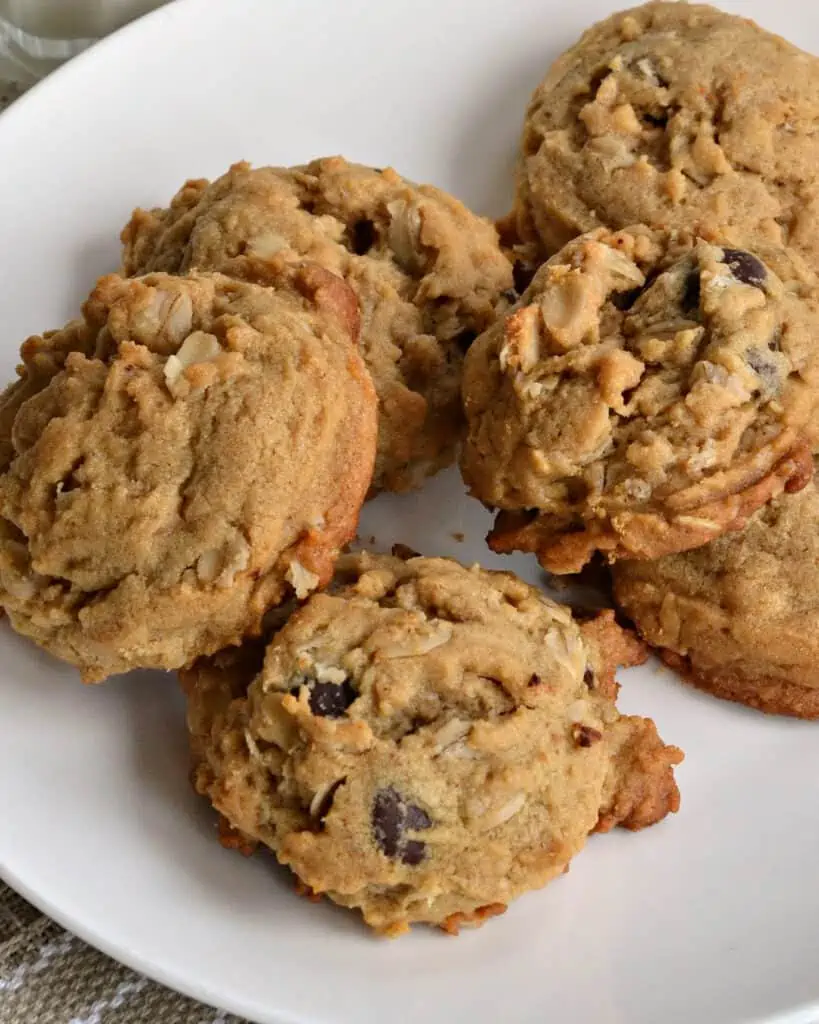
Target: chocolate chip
[
  {"x": 328, "y": 700},
  {"x": 535, "y": 680},
  {"x": 464, "y": 340},
  {"x": 745, "y": 267},
  {"x": 588, "y": 677},
  {"x": 691, "y": 292},
  {"x": 413, "y": 852},
  {"x": 510, "y": 295},
  {"x": 362, "y": 237},
  {"x": 392, "y": 818},
  {"x": 585, "y": 735},
  {"x": 416, "y": 817},
  {"x": 331, "y": 700}
]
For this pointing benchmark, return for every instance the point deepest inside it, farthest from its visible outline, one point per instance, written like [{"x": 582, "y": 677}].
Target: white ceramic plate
[{"x": 713, "y": 916}]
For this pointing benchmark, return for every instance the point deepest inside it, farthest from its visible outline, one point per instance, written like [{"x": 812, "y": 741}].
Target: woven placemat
[{"x": 48, "y": 976}]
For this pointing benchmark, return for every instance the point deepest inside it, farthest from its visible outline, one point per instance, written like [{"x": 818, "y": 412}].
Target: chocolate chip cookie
[
  {"x": 675, "y": 115},
  {"x": 647, "y": 394},
  {"x": 740, "y": 617},
  {"x": 183, "y": 458},
  {"x": 428, "y": 275},
  {"x": 427, "y": 742}
]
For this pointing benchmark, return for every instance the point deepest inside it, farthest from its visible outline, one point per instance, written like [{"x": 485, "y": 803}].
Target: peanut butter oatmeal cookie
[
  {"x": 428, "y": 275},
  {"x": 183, "y": 458},
  {"x": 648, "y": 393},
  {"x": 427, "y": 742},
  {"x": 675, "y": 115},
  {"x": 740, "y": 617}
]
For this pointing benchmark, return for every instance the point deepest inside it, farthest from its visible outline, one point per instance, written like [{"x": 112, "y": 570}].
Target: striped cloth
[{"x": 48, "y": 976}]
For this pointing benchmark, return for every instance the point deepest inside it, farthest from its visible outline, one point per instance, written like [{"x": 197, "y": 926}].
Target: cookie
[
  {"x": 647, "y": 394},
  {"x": 675, "y": 116},
  {"x": 740, "y": 617},
  {"x": 427, "y": 742},
  {"x": 428, "y": 275},
  {"x": 185, "y": 457}
]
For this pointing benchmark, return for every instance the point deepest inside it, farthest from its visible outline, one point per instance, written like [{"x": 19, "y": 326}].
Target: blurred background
[{"x": 38, "y": 35}]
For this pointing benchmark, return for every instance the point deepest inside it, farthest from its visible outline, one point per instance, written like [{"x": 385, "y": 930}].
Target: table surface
[{"x": 48, "y": 976}]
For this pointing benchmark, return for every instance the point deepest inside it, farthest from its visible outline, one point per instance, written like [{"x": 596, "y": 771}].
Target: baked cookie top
[
  {"x": 675, "y": 115},
  {"x": 427, "y": 741},
  {"x": 428, "y": 274},
  {"x": 740, "y": 617},
  {"x": 647, "y": 393},
  {"x": 180, "y": 460}
]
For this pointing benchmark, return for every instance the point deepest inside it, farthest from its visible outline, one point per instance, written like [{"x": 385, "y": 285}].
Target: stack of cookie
[
  {"x": 182, "y": 468},
  {"x": 653, "y": 396}
]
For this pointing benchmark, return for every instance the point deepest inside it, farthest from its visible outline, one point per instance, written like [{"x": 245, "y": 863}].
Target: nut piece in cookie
[
  {"x": 648, "y": 393},
  {"x": 740, "y": 617},
  {"x": 675, "y": 116},
  {"x": 427, "y": 742},
  {"x": 427, "y": 272},
  {"x": 187, "y": 456}
]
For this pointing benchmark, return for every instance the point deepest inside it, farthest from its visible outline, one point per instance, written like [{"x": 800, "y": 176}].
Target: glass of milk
[{"x": 37, "y": 35}]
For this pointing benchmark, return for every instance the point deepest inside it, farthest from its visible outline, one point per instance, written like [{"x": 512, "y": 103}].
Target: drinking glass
[{"x": 37, "y": 35}]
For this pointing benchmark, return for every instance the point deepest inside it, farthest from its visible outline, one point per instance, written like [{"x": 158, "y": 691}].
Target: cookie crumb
[{"x": 405, "y": 552}]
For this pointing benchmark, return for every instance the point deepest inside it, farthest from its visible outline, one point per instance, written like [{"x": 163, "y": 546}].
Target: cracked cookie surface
[
  {"x": 647, "y": 394},
  {"x": 191, "y": 452},
  {"x": 428, "y": 274},
  {"x": 740, "y": 617},
  {"x": 427, "y": 742},
  {"x": 675, "y": 115}
]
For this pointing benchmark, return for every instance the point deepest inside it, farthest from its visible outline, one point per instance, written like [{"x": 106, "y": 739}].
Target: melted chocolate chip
[
  {"x": 413, "y": 852},
  {"x": 417, "y": 818},
  {"x": 691, "y": 292},
  {"x": 745, "y": 267},
  {"x": 362, "y": 237},
  {"x": 331, "y": 700},
  {"x": 392, "y": 818},
  {"x": 588, "y": 677}
]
